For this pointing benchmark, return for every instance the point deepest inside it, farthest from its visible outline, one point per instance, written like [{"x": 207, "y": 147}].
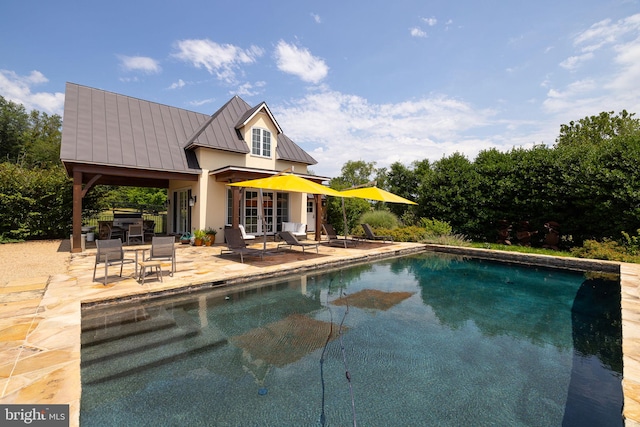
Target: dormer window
[{"x": 261, "y": 142}]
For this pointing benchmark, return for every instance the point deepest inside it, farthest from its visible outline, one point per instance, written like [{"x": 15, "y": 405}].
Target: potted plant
[
  {"x": 198, "y": 236},
  {"x": 211, "y": 233},
  {"x": 207, "y": 240}
]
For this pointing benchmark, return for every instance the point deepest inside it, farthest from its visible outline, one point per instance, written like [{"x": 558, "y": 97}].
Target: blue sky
[{"x": 371, "y": 80}]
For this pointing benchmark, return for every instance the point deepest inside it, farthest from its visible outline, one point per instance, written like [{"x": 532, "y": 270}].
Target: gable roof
[
  {"x": 246, "y": 117},
  {"x": 105, "y": 128}
]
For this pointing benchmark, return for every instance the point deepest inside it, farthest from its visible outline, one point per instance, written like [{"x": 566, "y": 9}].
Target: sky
[{"x": 378, "y": 81}]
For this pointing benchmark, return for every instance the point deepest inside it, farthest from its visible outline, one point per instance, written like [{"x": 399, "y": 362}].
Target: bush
[
  {"x": 435, "y": 227},
  {"x": 608, "y": 250},
  {"x": 380, "y": 219},
  {"x": 403, "y": 234}
]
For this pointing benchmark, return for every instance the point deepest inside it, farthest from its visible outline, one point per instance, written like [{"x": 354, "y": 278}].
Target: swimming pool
[{"x": 426, "y": 340}]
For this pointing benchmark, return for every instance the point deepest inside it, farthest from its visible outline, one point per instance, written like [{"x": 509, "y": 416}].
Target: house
[{"x": 113, "y": 139}]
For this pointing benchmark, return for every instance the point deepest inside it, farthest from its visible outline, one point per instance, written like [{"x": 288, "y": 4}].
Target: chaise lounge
[
  {"x": 290, "y": 240},
  {"x": 334, "y": 240},
  {"x": 237, "y": 245},
  {"x": 370, "y": 235}
]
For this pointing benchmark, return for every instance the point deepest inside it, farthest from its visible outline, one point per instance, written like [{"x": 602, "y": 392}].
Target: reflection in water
[
  {"x": 429, "y": 340},
  {"x": 597, "y": 342}
]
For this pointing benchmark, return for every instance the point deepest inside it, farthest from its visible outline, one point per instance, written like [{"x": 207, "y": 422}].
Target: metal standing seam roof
[{"x": 106, "y": 128}]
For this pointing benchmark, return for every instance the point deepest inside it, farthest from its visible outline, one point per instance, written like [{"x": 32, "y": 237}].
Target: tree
[
  {"x": 354, "y": 173},
  {"x": 14, "y": 127},
  {"x": 594, "y": 130},
  {"x": 451, "y": 193},
  {"x": 404, "y": 182}
]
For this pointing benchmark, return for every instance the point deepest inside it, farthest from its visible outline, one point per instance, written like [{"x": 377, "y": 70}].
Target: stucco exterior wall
[{"x": 210, "y": 209}]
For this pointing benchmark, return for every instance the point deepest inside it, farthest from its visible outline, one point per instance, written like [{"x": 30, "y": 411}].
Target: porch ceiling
[
  {"x": 235, "y": 174},
  {"x": 110, "y": 175}
]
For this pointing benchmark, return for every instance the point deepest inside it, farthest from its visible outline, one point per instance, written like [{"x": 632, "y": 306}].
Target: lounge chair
[
  {"x": 370, "y": 235},
  {"x": 334, "y": 240},
  {"x": 290, "y": 240},
  {"x": 110, "y": 252},
  {"x": 237, "y": 245},
  {"x": 246, "y": 236},
  {"x": 163, "y": 248}
]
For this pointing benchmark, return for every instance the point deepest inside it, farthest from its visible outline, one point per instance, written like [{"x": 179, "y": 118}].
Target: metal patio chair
[{"x": 110, "y": 252}]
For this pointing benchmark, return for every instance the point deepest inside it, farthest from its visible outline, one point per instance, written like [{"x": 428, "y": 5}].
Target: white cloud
[
  {"x": 300, "y": 62},
  {"x": 202, "y": 102},
  {"x": 417, "y": 32},
  {"x": 221, "y": 60},
  {"x": 139, "y": 63},
  {"x": 606, "y": 32},
  {"x": 17, "y": 89},
  {"x": 177, "y": 85},
  {"x": 626, "y": 79},
  {"x": 249, "y": 89},
  {"x": 573, "y": 62},
  {"x": 611, "y": 85},
  {"x": 430, "y": 21},
  {"x": 316, "y": 18},
  {"x": 338, "y": 127}
]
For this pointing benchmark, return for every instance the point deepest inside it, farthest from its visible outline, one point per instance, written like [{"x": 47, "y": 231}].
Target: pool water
[{"x": 427, "y": 339}]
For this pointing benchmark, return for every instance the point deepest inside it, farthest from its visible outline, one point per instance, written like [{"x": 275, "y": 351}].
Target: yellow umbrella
[
  {"x": 375, "y": 193},
  {"x": 285, "y": 182},
  {"x": 288, "y": 182}
]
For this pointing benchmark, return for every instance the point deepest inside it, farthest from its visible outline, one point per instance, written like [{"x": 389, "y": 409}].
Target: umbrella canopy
[
  {"x": 375, "y": 193},
  {"x": 288, "y": 182}
]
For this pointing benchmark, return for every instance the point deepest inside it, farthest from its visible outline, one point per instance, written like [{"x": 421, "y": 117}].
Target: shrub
[
  {"x": 631, "y": 243},
  {"x": 609, "y": 250},
  {"x": 448, "y": 239},
  {"x": 380, "y": 219},
  {"x": 403, "y": 234},
  {"x": 435, "y": 227}
]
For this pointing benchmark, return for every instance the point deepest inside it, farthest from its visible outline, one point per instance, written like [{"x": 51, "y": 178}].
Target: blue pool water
[{"x": 421, "y": 340}]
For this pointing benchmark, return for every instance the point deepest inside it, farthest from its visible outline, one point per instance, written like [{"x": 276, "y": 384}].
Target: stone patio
[{"x": 40, "y": 317}]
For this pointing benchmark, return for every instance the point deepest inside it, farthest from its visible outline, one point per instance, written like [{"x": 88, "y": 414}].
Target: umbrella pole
[
  {"x": 346, "y": 227},
  {"x": 264, "y": 228}
]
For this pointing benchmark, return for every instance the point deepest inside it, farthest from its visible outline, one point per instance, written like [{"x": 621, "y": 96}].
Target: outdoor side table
[{"x": 144, "y": 265}]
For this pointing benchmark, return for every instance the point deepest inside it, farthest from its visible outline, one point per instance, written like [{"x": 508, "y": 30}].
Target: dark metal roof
[
  {"x": 105, "y": 128},
  {"x": 289, "y": 150},
  {"x": 252, "y": 112}
]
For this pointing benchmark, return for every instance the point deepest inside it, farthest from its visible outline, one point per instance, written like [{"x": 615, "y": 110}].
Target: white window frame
[{"x": 262, "y": 145}]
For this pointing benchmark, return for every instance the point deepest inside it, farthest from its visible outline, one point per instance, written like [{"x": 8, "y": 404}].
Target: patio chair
[
  {"x": 237, "y": 245},
  {"x": 163, "y": 248},
  {"x": 115, "y": 232},
  {"x": 290, "y": 240},
  {"x": 246, "y": 236},
  {"x": 135, "y": 232},
  {"x": 370, "y": 235},
  {"x": 335, "y": 240},
  {"x": 149, "y": 229},
  {"x": 110, "y": 252}
]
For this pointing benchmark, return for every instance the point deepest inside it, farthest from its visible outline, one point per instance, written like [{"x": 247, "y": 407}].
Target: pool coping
[{"x": 45, "y": 366}]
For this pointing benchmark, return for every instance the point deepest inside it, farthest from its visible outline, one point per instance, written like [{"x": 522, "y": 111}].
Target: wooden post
[
  {"x": 319, "y": 215},
  {"x": 235, "y": 209},
  {"x": 76, "y": 244}
]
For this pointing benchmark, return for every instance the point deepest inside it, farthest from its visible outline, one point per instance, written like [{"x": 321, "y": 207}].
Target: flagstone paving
[{"x": 40, "y": 317}]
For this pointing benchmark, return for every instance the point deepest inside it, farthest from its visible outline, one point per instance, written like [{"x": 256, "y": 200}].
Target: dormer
[{"x": 260, "y": 130}]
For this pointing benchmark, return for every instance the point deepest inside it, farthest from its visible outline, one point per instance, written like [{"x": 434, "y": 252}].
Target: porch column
[
  {"x": 319, "y": 215},
  {"x": 77, "y": 212},
  {"x": 235, "y": 209}
]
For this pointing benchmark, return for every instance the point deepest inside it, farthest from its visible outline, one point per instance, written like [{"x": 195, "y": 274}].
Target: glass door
[
  {"x": 181, "y": 211},
  {"x": 253, "y": 211}
]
